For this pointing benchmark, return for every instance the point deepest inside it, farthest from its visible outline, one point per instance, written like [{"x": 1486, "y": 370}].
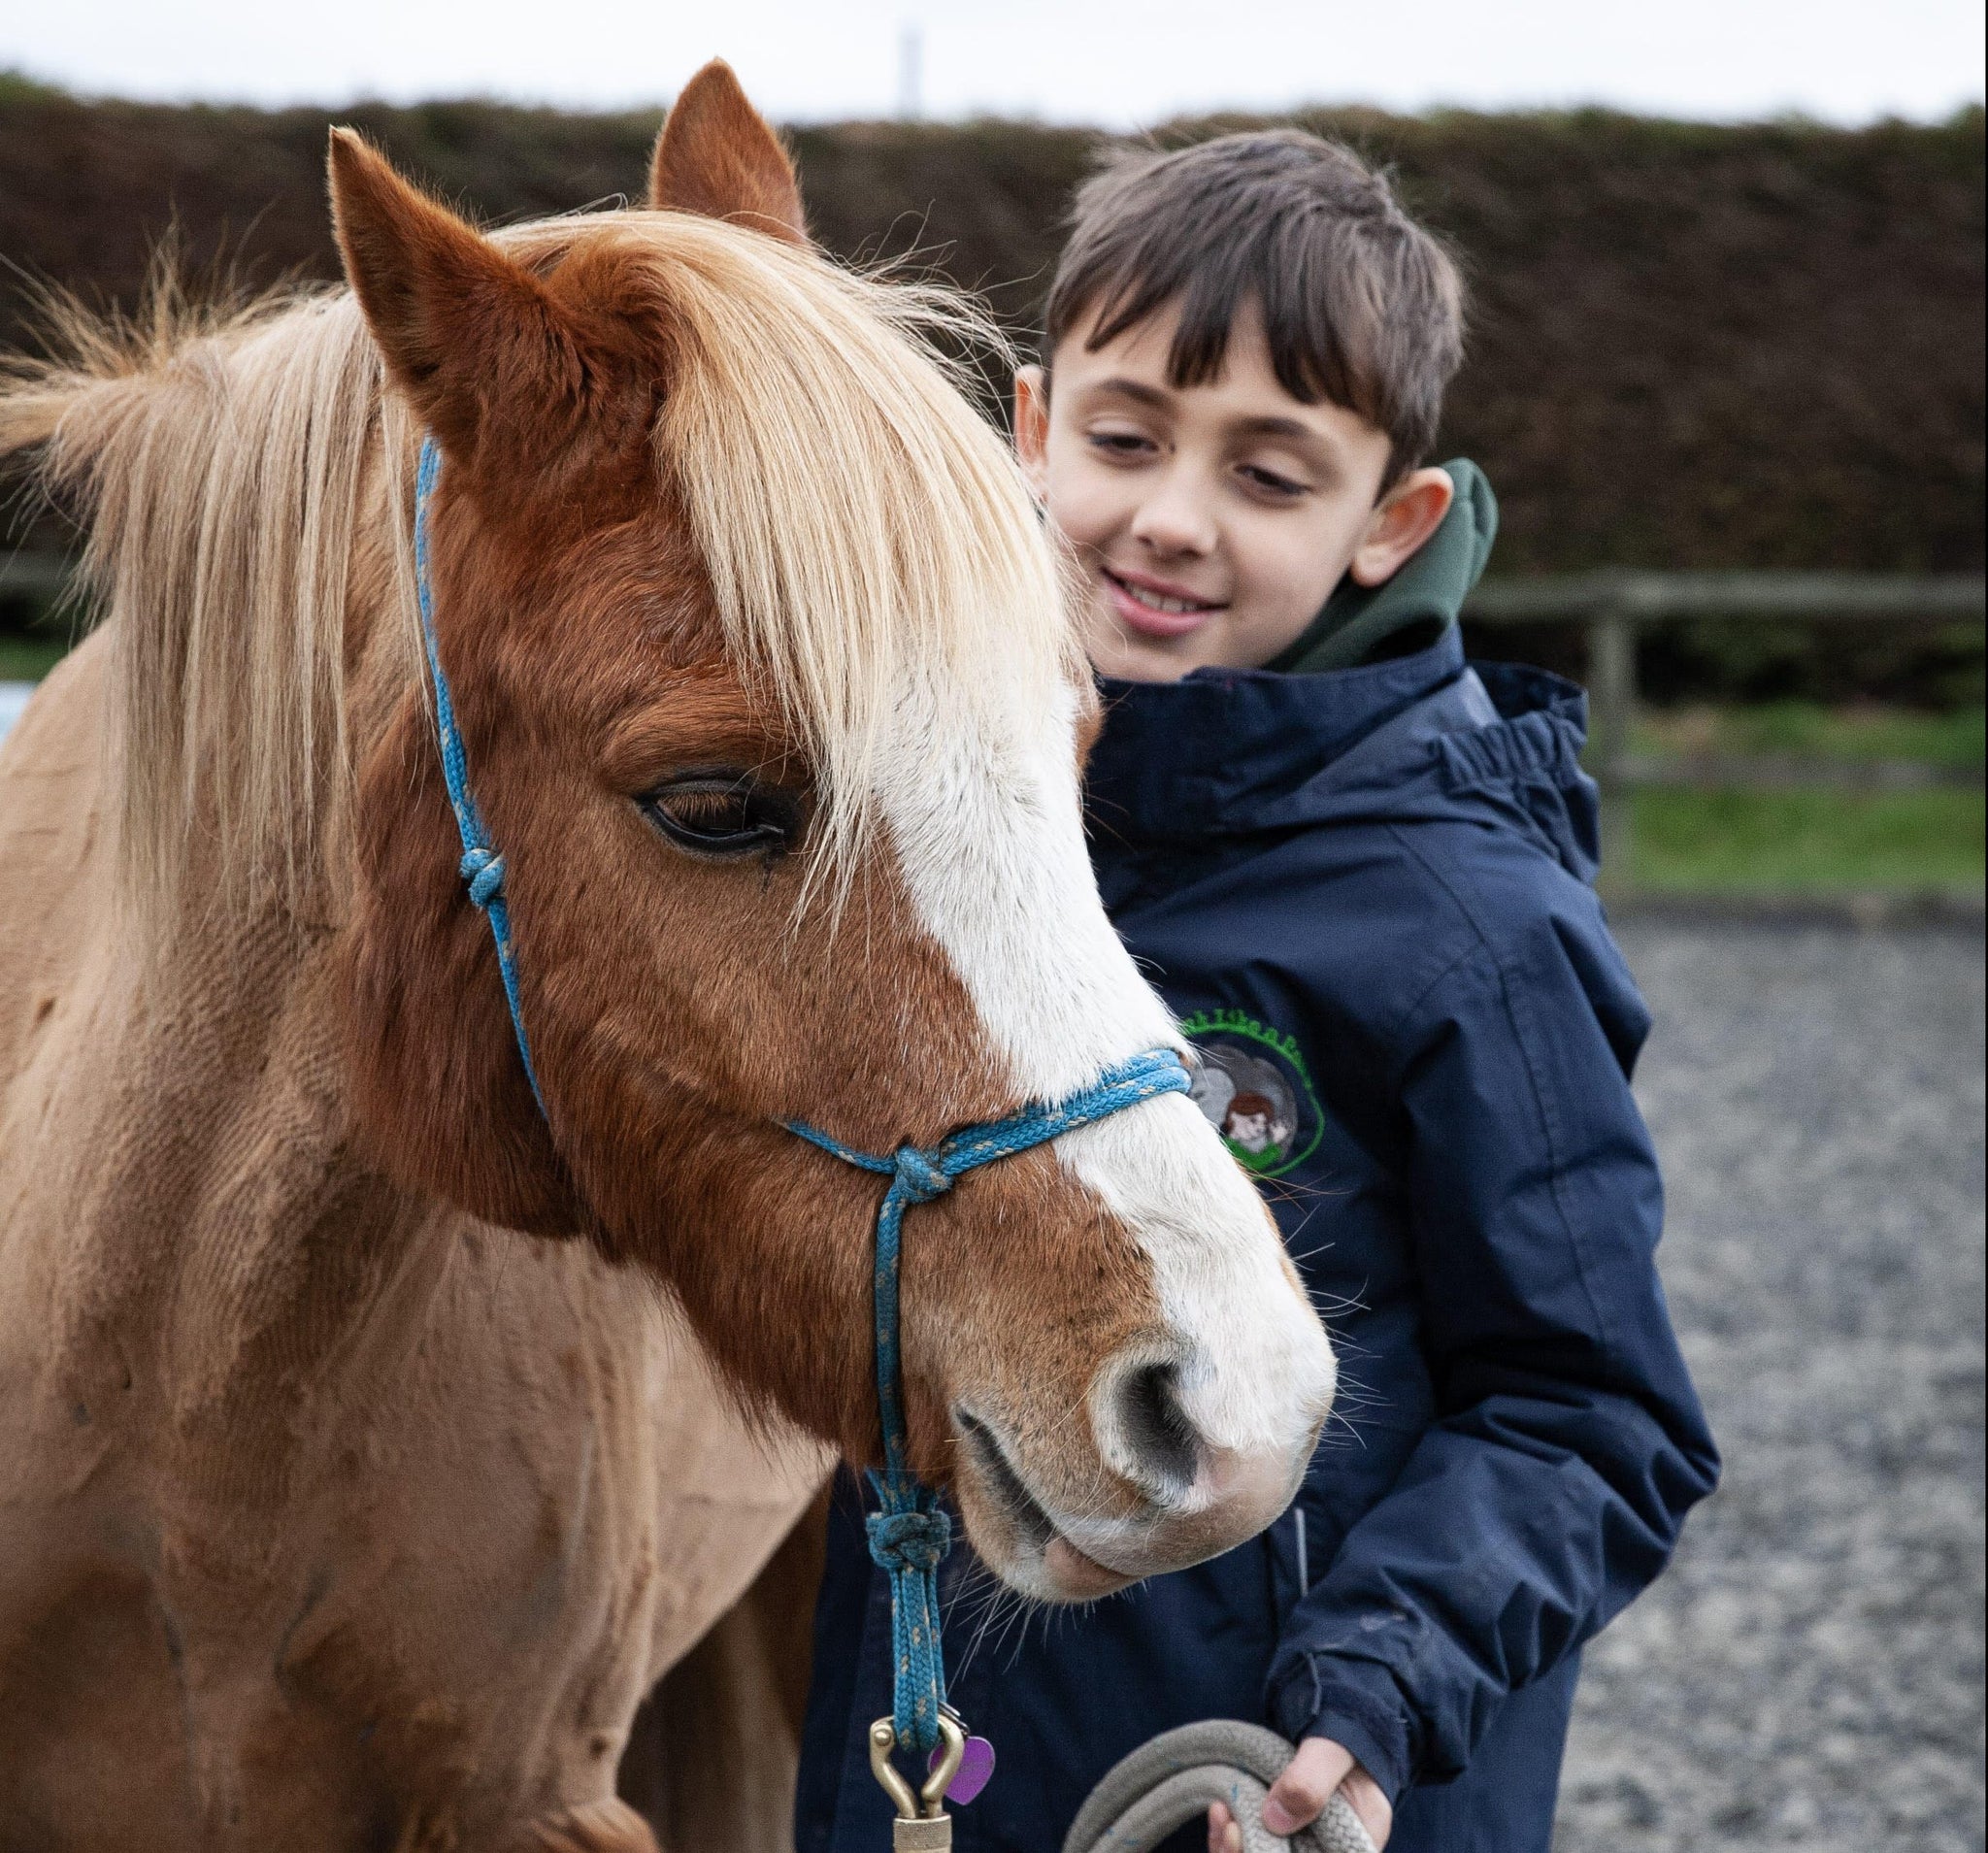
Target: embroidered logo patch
[{"x": 1255, "y": 1090}]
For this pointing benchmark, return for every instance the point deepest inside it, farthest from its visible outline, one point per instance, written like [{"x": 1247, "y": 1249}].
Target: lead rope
[
  {"x": 911, "y": 1535},
  {"x": 1176, "y": 1778}
]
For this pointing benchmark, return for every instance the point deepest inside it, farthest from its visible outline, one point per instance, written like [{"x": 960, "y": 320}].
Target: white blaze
[{"x": 985, "y": 811}]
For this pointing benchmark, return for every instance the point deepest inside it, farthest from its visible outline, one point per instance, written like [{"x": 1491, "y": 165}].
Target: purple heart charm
[{"x": 976, "y": 1768}]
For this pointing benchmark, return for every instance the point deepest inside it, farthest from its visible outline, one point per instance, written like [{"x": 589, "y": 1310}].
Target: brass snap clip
[{"x": 922, "y": 1823}]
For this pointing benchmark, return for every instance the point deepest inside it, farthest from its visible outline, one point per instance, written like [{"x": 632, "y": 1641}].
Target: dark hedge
[{"x": 1692, "y": 346}]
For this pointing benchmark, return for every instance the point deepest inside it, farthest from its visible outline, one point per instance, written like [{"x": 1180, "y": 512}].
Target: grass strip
[{"x": 1795, "y": 841}]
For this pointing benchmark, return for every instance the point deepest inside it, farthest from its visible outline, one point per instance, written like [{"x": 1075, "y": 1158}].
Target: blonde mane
[{"x": 859, "y": 522}]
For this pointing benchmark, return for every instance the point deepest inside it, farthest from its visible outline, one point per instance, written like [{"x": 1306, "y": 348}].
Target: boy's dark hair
[{"x": 1361, "y": 306}]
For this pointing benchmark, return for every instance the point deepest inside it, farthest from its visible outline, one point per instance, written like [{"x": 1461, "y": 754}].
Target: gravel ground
[{"x": 1809, "y": 1672}]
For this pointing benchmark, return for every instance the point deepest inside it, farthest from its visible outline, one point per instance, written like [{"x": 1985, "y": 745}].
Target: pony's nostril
[{"x": 1156, "y": 1431}]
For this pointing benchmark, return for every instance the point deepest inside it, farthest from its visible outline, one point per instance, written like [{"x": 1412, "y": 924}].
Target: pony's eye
[{"x": 725, "y": 812}]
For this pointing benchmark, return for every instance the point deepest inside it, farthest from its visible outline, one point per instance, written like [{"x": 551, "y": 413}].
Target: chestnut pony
[{"x": 373, "y": 1443}]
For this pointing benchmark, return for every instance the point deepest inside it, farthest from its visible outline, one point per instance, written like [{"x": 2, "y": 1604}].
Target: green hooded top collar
[{"x": 1431, "y": 586}]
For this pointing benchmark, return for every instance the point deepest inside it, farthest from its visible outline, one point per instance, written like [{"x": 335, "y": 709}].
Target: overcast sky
[{"x": 1063, "y": 60}]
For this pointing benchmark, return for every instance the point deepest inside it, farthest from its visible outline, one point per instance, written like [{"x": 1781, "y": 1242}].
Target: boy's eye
[
  {"x": 1122, "y": 444},
  {"x": 1270, "y": 482}
]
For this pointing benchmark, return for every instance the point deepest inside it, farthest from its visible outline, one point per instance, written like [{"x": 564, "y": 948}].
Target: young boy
[{"x": 1359, "y": 872}]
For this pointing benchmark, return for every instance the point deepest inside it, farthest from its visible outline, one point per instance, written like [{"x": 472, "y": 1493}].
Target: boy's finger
[
  {"x": 1299, "y": 1795},
  {"x": 1366, "y": 1798},
  {"x": 1223, "y": 1835}
]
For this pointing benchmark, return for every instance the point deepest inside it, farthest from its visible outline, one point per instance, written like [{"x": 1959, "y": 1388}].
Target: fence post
[{"x": 1611, "y": 692}]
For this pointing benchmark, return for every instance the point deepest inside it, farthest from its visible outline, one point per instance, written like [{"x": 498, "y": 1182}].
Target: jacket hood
[
  {"x": 1427, "y": 595},
  {"x": 1228, "y": 754}
]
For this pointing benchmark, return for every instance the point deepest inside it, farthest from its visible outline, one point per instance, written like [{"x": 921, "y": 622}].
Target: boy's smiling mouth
[{"x": 1155, "y": 607}]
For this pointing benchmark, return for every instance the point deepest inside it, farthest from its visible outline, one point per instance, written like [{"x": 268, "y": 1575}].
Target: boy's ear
[
  {"x": 1032, "y": 425},
  {"x": 718, "y": 156},
  {"x": 1408, "y": 515},
  {"x": 466, "y": 333}
]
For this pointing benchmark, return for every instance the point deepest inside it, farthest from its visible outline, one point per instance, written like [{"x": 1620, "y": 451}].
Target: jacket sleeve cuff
[{"x": 1357, "y": 1704}]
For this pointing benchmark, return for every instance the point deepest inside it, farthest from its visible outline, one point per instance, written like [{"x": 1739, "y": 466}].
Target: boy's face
[{"x": 1211, "y": 521}]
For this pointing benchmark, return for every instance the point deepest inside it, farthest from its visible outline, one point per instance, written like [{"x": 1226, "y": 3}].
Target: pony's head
[{"x": 770, "y": 703}]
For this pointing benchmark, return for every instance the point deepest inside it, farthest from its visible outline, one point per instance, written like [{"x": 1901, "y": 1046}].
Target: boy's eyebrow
[
  {"x": 1135, "y": 389},
  {"x": 1267, "y": 426}
]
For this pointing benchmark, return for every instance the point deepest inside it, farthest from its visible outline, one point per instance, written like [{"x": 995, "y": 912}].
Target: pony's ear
[
  {"x": 464, "y": 330},
  {"x": 718, "y": 156}
]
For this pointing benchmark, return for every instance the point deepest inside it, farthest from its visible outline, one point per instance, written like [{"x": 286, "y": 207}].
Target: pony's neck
[
  {"x": 189, "y": 1093},
  {"x": 300, "y": 1261}
]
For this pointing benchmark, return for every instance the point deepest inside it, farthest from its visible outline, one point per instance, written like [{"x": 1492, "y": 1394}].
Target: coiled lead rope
[{"x": 1176, "y": 1778}]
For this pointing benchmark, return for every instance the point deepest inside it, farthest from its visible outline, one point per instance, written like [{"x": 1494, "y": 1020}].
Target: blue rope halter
[
  {"x": 481, "y": 867},
  {"x": 911, "y": 1535}
]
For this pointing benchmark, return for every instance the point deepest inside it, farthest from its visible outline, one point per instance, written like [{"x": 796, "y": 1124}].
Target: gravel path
[{"x": 1809, "y": 1672}]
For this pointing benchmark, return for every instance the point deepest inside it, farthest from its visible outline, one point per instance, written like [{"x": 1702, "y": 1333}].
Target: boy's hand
[{"x": 1298, "y": 1797}]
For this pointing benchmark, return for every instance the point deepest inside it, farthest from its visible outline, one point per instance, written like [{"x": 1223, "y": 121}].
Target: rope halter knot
[
  {"x": 483, "y": 870},
  {"x": 914, "y": 1176},
  {"x": 917, "y": 1540}
]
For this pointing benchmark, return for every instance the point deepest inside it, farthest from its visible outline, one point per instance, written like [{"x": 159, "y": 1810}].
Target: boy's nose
[{"x": 1174, "y": 517}]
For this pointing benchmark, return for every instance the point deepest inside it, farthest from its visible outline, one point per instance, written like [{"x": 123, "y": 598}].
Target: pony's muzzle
[
  {"x": 1144, "y": 1433},
  {"x": 1171, "y": 1493},
  {"x": 1198, "y": 1492}
]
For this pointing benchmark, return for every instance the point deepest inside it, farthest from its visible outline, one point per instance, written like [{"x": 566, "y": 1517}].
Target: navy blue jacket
[{"x": 1367, "y": 896}]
